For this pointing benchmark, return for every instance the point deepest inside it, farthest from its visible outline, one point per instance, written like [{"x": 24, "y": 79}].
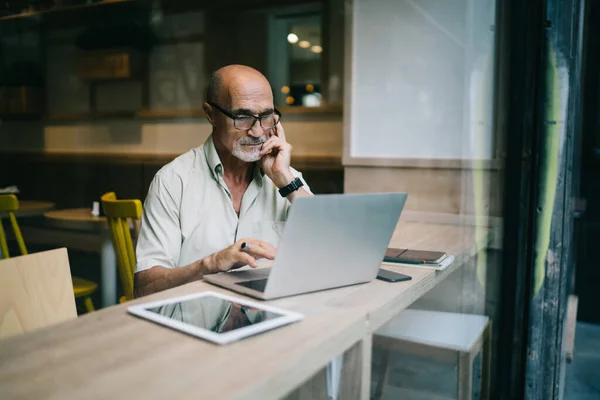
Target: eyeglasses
[{"x": 246, "y": 122}]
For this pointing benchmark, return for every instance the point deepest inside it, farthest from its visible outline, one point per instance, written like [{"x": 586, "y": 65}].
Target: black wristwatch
[{"x": 292, "y": 187}]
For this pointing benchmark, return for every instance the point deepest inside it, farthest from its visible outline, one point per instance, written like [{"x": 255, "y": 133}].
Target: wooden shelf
[
  {"x": 175, "y": 113},
  {"x": 23, "y": 117},
  {"x": 30, "y": 14},
  {"x": 324, "y": 110},
  {"x": 89, "y": 116},
  {"x": 299, "y": 161}
]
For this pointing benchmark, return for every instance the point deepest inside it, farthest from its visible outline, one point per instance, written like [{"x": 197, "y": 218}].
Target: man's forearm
[
  {"x": 283, "y": 179},
  {"x": 298, "y": 193},
  {"x": 160, "y": 278}
]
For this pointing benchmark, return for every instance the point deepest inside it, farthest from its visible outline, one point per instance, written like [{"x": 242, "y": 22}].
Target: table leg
[
  {"x": 347, "y": 376},
  {"x": 334, "y": 372},
  {"x": 108, "y": 261},
  {"x": 356, "y": 370},
  {"x": 313, "y": 389}
]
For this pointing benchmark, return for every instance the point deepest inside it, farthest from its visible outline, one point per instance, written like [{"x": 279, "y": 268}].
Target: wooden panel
[
  {"x": 35, "y": 291},
  {"x": 318, "y": 161},
  {"x": 420, "y": 163},
  {"x": 437, "y": 190},
  {"x": 77, "y": 180},
  {"x": 311, "y": 136},
  {"x": 432, "y": 190}
]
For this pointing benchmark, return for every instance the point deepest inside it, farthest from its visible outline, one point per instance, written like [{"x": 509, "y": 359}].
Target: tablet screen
[{"x": 213, "y": 313}]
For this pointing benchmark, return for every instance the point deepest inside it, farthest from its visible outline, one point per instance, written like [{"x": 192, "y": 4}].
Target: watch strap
[{"x": 292, "y": 187}]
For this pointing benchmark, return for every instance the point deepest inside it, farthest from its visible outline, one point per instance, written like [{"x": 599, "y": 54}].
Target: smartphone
[{"x": 390, "y": 276}]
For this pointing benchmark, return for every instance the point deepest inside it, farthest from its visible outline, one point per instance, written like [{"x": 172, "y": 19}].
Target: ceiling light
[
  {"x": 292, "y": 38},
  {"x": 305, "y": 44},
  {"x": 316, "y": 49}
]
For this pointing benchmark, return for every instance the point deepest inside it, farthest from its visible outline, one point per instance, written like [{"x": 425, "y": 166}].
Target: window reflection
[{"x": 298, "y": 41}]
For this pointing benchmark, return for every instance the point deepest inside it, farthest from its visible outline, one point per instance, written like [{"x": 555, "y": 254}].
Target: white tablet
[{"x": 214, "y": 316}]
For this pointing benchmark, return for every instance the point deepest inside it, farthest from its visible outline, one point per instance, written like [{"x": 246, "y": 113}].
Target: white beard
[{"x": 252, "y": 154}]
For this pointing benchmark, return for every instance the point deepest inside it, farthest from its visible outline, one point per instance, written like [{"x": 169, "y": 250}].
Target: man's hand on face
[
  {"x": 235, "y": 256},
  {"x": 276, "y": 155}
]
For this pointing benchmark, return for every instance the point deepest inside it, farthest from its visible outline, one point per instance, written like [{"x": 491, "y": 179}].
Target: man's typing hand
[{"x": 236, "y": 256}]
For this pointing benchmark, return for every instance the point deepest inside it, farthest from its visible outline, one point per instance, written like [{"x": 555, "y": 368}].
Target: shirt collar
[
  {"x": 214, "y": 162},
  {"x": 212, "y": 158}
]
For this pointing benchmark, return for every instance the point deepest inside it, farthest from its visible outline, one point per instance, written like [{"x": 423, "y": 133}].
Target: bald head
[
  {"x": 233, "y": 80},
  {"x": 239, "y": 93}
]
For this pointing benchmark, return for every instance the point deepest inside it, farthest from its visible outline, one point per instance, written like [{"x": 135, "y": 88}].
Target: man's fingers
[
  {"x": 261, "y": 252},
  {"x": 267, "y": 149},
  {"x": 267, "y": 246},
  {"x": 279, "y": 145},
  {"x": 254, "y": 250},
  {"x": 270, "y": 144},
  {"x": 246, "y": 259},
  {"x": 255, "y": 242},
  {"x": 279, "y": 131}
]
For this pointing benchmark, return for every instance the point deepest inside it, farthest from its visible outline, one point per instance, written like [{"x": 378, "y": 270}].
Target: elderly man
[{"x": 200, "y": 208}]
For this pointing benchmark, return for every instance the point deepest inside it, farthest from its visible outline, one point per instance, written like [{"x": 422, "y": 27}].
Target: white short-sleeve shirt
[{"x": 188, "y": 213}]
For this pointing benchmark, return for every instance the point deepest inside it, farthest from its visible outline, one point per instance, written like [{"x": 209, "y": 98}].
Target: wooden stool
[{"x": 447, "y": 336}]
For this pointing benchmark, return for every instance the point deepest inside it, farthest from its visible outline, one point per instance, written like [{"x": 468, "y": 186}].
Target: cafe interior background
[{"x": 376, "y": 96}]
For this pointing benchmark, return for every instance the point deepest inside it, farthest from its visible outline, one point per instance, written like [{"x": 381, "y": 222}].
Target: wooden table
[
  {"x": 81, "y": 219},
  {"x": 30, "y": 208},
  {"x": 112, "y": 354}
]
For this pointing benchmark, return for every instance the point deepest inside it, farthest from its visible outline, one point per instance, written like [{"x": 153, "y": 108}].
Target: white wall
[{"x": 422, "y": 76}]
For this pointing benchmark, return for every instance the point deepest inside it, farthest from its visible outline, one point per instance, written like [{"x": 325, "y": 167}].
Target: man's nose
[{"x": 256, "y": 130}]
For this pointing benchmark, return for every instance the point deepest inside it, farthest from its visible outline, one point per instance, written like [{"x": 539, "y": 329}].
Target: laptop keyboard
[{"x": 255, "y": 284}]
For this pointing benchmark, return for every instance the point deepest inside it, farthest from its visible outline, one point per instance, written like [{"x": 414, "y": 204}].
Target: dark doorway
[{"x": 587, "y": 225}]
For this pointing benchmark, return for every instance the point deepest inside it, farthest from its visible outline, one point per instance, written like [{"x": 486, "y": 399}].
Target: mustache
[{"x": 247, "y": 141}]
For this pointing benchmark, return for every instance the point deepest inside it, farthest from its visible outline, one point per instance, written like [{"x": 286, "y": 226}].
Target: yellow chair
[
  {"x": 9, "y": 204},
  {"x": 118, "y": 213}
]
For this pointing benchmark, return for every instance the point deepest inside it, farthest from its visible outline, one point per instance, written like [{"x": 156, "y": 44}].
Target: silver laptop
[{"x": 328, "y": 241}]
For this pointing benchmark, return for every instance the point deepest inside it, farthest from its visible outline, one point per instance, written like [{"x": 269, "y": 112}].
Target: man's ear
[{"x": 209, "y": 112}]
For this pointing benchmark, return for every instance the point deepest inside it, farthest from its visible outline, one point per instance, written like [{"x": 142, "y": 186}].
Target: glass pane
[
  {"x": 300, "y": 62},
  {"x": 103, "y": 101}
]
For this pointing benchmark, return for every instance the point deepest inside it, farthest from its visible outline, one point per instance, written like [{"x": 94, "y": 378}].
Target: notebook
[{"x": 418, "y": 258}]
